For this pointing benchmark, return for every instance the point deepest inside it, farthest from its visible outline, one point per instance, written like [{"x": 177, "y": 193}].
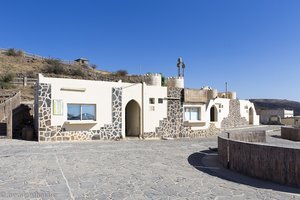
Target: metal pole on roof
[{"x": 226, "y": 90}]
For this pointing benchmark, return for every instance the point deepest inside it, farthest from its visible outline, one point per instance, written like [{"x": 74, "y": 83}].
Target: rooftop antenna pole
[{"x": 226, "y": 90}]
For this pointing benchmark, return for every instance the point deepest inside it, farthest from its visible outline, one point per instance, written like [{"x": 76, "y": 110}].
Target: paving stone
[{"x": 146, "y": 169}]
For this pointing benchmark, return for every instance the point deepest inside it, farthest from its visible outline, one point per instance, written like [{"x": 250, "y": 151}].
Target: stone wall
[
  {"x": 56, "y": 133},
  {"x": 273, "y": 163},
  {"x": 234, "y": 118},
  {"x": 290, "y": 133},
  {"x": 251, "y": 136},
  {"x": 173, "y": 126},
  {"x": 7, "y": 107}
]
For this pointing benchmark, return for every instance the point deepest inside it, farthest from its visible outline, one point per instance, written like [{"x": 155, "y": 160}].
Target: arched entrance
[
  {"x": 251, "y": 116},
  {"x": 132, "y": 119},
  {"x": 213, "y": 114}
]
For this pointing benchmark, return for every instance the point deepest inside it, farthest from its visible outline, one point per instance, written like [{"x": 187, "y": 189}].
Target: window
[
  {"x": 81, "y": 112},
  {"x": 192, "y": 114},
  {"x": 160, "y": 100},
  {"x": 151, "y": 100}
]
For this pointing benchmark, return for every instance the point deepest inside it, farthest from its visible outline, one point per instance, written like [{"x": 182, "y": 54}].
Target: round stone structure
[
  {"x": 248, "y": 154},
  {"x": 177, "y": 82}
]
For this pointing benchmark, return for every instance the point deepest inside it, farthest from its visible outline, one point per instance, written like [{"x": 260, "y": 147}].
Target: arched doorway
[
  {"x": 251, "y": 116},
  {"x": 132, "y": 119},
  {"x": 213, "y": 114}
]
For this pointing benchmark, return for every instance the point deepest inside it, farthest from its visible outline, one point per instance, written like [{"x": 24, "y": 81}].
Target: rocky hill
[
  {"x": 17, "y": 63},
  {"x": 262, "y": 104}
]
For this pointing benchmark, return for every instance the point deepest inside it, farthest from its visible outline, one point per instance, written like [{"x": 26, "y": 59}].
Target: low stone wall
[
  {"x": 290, "y": 133},
  {"x": 253, "y": 136},
  {"x": 273, "y": 163}
]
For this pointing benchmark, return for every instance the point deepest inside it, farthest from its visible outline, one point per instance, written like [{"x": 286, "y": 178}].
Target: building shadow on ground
[{"x": 207, "y": 161}]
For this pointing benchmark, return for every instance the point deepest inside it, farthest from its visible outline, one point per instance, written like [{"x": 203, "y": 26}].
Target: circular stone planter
[{"x": 248, "y": 154}]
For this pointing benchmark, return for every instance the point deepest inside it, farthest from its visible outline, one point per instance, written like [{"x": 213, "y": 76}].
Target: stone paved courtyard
[{"x": 126, "y": 169}]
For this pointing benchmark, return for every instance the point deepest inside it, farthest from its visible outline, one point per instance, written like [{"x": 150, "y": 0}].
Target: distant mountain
[{"x": 263, "y": 104}]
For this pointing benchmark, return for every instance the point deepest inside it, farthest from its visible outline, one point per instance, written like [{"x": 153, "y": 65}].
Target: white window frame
[
  {"x": 190, "y": 107},
  {"x": 82, "y": 104}
]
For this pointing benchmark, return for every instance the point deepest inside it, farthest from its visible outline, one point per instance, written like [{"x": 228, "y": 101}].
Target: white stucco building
[
  {"x": 72, "y": 109},
  {"x": 273, "y": 116}
]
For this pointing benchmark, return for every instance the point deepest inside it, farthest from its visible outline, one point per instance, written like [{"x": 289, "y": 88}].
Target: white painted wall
[
  {"x": 152, "y": 117},
  {"x": 100, "y": 94},
  {"x": 245, "y": 105},
  {"x": 96, "y": 92},
  {"x": 222, "y": 106}
]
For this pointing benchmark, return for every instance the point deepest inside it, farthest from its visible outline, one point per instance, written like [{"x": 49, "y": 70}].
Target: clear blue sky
[{"x": 254, "y": 45}]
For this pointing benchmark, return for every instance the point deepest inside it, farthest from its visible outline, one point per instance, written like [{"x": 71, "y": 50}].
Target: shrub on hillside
[
  {"x": 52, "y": 61},
  {"x": 7, "y": 77},
  {"x": 54, "y": 66},
  {"x": 77, "y": 72},
  {"x": 5, "y": 80},
  {"x": 14, "y": 52},
  {"x": 11, "y": 52},
  {"x": 121, "y": 73}
]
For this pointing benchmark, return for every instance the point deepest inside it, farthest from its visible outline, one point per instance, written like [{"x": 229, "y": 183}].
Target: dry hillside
[
  {"x": 16, "y": 63},
  {"x": 24, "y": 65}
]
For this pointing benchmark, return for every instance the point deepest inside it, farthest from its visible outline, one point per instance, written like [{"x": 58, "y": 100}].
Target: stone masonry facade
[
  {"x": 57, "y": 133},
  {"x": 173, "y": 125},
  {"x": 234, "y": 118}
]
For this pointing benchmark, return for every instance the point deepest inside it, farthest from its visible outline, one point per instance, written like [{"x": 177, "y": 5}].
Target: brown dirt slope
[{"x": 31, "y": 66}]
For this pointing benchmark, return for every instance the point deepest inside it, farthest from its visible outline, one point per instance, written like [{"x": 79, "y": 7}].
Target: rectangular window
[
  {"x": 192, "y": 114},
  {"x": 81, "y": 112},
  {"x": 160, "y": 100},
  {"x": 151, "y": 100}
]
